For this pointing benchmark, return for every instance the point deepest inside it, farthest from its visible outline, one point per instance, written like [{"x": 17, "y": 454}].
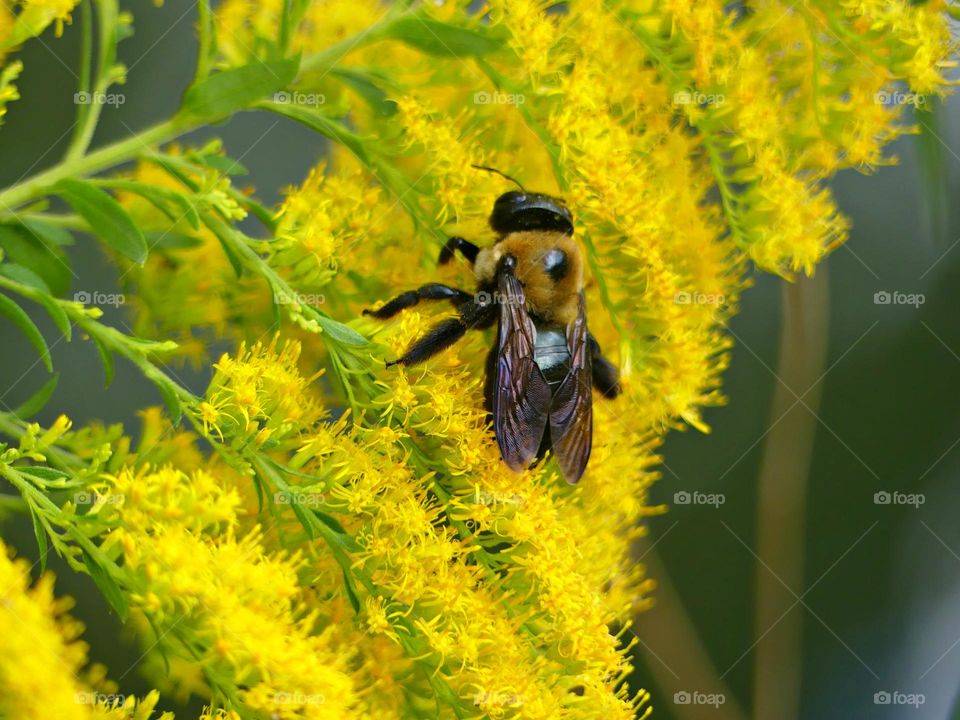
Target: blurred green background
[{"x": 880, "y": 583}]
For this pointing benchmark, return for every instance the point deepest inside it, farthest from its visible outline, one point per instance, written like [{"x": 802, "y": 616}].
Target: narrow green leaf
[
  {"x": 19, "y": 318},
  {"x": 106, "y": 217},
  {"x": 343, "y": 334},
  {"x": 436, "y": 37},
  {"x": 363, "y": 84},
  {"x": 57, "y": 314},
  {"x": 51, "y": 235},
  {"x": 47, "y": 474},
  {"x": 172, "y": 402},
  {"x": 107, "y": 359},
  {"x": 175, "y": 205},
  {"x": 231, "y": 256},
  {"x": 226, "y": 92},
  {"x": 48, "y": 262},
  {"x": 24, "y": 276},
  {"x": 222, "y": 164},
  {"x": 323, "y": 124},
  {"x": 258, "y": 486},
  {"x": 351, "y": 591},
  {"x": 106, "y": 584},
  {"x": 36, "y": 402},
  {"x": 41, "y": 536},
  {"x": 305, "y": 519},
  {"x": 169, "y": 240}
]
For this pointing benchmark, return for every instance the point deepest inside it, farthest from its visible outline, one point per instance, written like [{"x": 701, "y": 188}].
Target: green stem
[
  {"x": 83, "y": 86},
  {"x": 782, "y": 496},
  {"x": 106, "y": 157},
  {"x": 205, "y": 23},
  {"x": 68, "y": 221}
]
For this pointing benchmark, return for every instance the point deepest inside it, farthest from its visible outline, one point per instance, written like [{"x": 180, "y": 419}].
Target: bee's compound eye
[{"x": 555, "y": 264}]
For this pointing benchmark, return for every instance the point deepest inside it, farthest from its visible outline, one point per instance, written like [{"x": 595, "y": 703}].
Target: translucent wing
[
  {"x": 521, "y": 396},
  {"x": 571, "y": 412}
]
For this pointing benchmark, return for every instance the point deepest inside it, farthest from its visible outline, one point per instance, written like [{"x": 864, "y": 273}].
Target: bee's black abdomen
[{"x": 552, "y": 355}]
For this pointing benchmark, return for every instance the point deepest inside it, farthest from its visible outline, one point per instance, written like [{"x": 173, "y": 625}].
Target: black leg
[
  {"x": 466, "y": 248},
  {"x": 447, "y": 332},
  {"x": 431, "y": 291},
  {"x": 606, "y": 377}
]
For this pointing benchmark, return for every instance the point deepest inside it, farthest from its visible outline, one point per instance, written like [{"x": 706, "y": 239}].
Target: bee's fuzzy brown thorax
[{"x": 552, "y": 296}]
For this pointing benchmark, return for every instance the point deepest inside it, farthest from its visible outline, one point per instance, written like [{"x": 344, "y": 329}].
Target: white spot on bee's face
[{"x": 555, "y": 264}]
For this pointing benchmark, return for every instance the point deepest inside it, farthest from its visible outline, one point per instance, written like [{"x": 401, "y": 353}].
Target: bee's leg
[
  {"x": 446, "y": 332},
  {"x": 466, "y": 248},
  {"x": 431, "y": 291},
  {"x": 606, "y": 377}
]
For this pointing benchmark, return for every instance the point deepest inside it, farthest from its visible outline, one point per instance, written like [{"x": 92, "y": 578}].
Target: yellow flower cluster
[
  {"x": 218, "y": 599},
  {"x": 43, "y": 664},
  {"x": 493, "y": 580},
  {"x": 319, "y": 222},
  {"x": 259, "y": 396},
  {"x": 246, "y": 27}
]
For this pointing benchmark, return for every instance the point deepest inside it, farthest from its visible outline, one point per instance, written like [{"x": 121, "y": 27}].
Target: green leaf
[
  {"x": 19, "y": 318},
  {"x": 222, "y": 164},
  {"x": 345, "y": 540},
  {"x": 169, "y": 240},
  {"x": 57, "y": 314},
  {"x": 41, "y": 536},
  {"x": 235, "y": 262},
  {"x": 363, "y": 84},
  {"x": 343, "y": 334},
  {"x": 107, "y": 585},
  {"x": 106, "y": 217},
  {"x": 323, "y": 124},
  {"x": 161, "y": 198},
  {"x": 44, "y": 260},
  {"x": 226, "y": 92},
  {"x": 351, "y": 591},
  {"x": 172, "y": 402},
  {"x": 47, "y": 474},
  {"x": 305, "y": 519},
  {"x": 24, "y": 276},
  {"x": 258, "y": 486},
  {"x": 435, "y": 37},
  {"x": 50, "y": 235},
  {"x": 36, "y": 402},
  {"x": 107, "y": 359}
]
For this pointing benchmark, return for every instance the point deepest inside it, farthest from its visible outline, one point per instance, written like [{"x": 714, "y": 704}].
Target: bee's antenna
[{"x": 501, "y": 174}]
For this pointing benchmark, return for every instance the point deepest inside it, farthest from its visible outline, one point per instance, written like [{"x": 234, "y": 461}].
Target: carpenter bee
[{"x": 540, "y": 373}]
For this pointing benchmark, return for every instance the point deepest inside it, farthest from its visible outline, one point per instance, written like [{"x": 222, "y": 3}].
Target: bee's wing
[
  {"x": 521, "y": 396},
  {"x": 571, "y": 413}
]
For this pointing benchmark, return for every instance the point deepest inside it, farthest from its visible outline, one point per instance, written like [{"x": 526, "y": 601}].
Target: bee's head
[{"x": 516, "y": 211}]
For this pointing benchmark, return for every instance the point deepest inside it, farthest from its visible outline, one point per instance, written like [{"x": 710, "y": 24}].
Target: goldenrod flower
[{"x": 43, "y": 664}]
